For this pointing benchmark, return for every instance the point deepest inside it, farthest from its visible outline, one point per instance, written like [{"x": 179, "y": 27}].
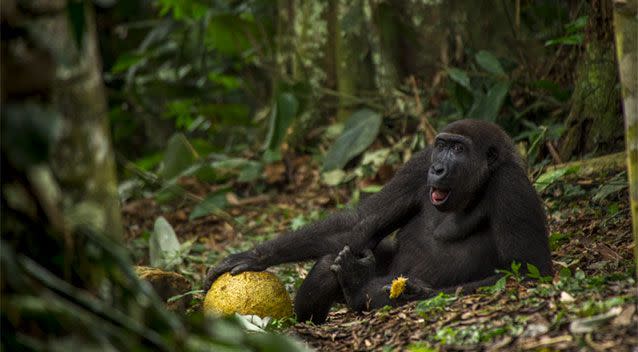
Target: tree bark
[
  {"x": 594, "y": 124},
  {"x": 626, "y": 30},
  {"x": 82, "y": 159}
]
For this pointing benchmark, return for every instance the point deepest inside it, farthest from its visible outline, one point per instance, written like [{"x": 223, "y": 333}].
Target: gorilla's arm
[
  {"x": 518, "y": 221},
  {"x": 376, "y": 217}
]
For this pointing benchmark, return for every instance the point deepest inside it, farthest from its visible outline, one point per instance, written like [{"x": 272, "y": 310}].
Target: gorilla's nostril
[{"x": 439, "y": 170}]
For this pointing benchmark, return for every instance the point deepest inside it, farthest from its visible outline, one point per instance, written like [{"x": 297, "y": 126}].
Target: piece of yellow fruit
[
  {"x": 398, "y": 286},
  {"x": 248, "y": 293}
]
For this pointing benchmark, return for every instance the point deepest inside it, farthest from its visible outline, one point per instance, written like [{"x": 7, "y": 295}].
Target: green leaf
[
  {"x": 572, "y": 39},
  {"x": 359, "y": 132},
  {"x": 283, "y": 113},
  {"x": 615, "y": 185},
  {"x": 178, "y": 297},
  {"x": 126, "y": 61},
  {"x": 298, "y": 222},
  {"x": 460, "y": 77},
  {"x": 547, "y": 179},
  {"x": 435, "y": 304},
  {"x": 553, "y": 88},
  {"x": 558, "y": 238},
  {"x": 516, "y": 267},
  {"x": 229, "y": 114},
  {"x": 179, "y": 155},
  {"x": 164, "y": 246},
  {"x": 228, "y": 34},
  {"x": 533, "y": 272},
  {"x": 221, "y": 171},
  {"x": 487, "y": 107},
  {"x": 499, "y": 286},
  {"x": 489, "y": 63},
  {"x": 209, "y": 205},
  {"x": 250, "y": 172},
  {"x": 577, "y": 25},
  {"x": 372, "y": 189},
  {"x": 226, "y": 81},
  {"x": 565, "y": 273},
  {"x": 168, "y": 192},
  {"x": 333, "y": 177}
]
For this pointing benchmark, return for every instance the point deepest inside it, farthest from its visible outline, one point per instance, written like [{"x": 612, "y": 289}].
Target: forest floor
[{"x": 590, "y": 303}]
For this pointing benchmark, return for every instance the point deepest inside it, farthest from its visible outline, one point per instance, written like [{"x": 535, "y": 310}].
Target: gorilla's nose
[{"x": 437, "y": 172}]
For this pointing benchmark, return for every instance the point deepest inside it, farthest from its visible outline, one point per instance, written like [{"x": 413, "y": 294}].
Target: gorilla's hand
[
  {"x": 352, "y": 270},
  {"x": 235, "y": 264},
  {"x": 414, "y": 290},
  {"x": 353, "y": 273}
]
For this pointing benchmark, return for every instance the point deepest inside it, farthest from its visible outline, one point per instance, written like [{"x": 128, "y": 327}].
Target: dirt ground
[{"x": 590, "y": 304}]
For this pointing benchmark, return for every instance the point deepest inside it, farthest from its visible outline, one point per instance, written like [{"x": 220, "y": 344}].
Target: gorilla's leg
[{"x": 318, "y": 292}]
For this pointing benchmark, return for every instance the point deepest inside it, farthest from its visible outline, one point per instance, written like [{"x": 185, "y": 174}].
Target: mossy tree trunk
[
  {"x": 594, "y": 123},
  {"x": 354, "y": 73},
  {"x": 626, "y": 29},
  {"x": 82, "y": 159}
]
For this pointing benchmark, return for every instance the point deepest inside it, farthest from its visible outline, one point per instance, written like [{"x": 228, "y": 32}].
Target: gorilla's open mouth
[{"x": 438, "y": 196}]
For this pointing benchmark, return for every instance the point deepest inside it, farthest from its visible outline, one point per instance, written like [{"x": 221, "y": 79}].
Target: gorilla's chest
[{"x": 442, "y": 263}]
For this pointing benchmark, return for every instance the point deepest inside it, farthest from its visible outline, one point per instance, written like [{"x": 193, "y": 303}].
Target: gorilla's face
[{"x": 456, "y": 172}]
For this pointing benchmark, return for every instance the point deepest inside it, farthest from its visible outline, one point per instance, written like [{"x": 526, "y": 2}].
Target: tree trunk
[
  {"x": 626, "y": 28},
  {"x": 82, "y": 159},
  {"x": 594, "y": 124}
]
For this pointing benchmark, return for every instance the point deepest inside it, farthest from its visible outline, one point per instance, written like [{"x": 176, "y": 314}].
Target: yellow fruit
[
  {"x": 398, "y": 286},
  {"x": 255, "y": 293}
]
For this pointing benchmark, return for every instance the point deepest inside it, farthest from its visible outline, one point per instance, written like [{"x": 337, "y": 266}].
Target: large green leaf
[
  {"x": 164, "y": 245},
  {"x": 209, "y": 205},
  {"x": 459, "y": 76},
  {"x": 547, "y": 179},
  {"x": 169, "y": 191},
  {"x": 487, "y": 107},
  {"x": 221, "y": 171},
  {"x": 229, "y": 34},
  {"x": 283, "y": 113},
  {"x": 179, "y": 155},
  {"x": 489, "y": 63},
  {"x": 359, "y": 132}
]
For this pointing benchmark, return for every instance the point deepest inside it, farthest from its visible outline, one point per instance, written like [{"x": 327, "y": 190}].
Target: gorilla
[{"x": 463, "y": 208}]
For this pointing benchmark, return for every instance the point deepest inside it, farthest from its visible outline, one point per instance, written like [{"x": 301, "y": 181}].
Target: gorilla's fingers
[
  {"x": 210, "y": 278},
  {"x": 240, "y": 269},
  {"x": 368, "y": 258}
]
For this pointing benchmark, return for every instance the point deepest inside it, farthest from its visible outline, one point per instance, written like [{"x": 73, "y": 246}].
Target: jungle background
[{"x": 167, "y": 134}]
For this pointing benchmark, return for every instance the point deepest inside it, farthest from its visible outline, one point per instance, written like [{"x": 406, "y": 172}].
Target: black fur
[{"x": 489, "y": 217}]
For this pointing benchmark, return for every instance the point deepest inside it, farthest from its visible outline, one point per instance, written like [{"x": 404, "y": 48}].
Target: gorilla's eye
[{"x": 458, "y": 148}]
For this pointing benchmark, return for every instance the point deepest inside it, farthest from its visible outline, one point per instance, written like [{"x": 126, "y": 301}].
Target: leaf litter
[{"x": 590, "y": 302}]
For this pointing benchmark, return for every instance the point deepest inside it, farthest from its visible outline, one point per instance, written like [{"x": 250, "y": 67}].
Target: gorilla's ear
[{"x": 492, "y": 155}]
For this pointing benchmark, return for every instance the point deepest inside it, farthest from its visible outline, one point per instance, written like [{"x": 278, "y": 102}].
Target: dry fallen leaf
[
  {"x": 566, "y": 297},
  {"x": 624, "y": 318}
]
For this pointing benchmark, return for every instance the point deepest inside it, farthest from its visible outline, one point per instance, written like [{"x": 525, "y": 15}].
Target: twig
[{"x": 553, "y": 152}]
